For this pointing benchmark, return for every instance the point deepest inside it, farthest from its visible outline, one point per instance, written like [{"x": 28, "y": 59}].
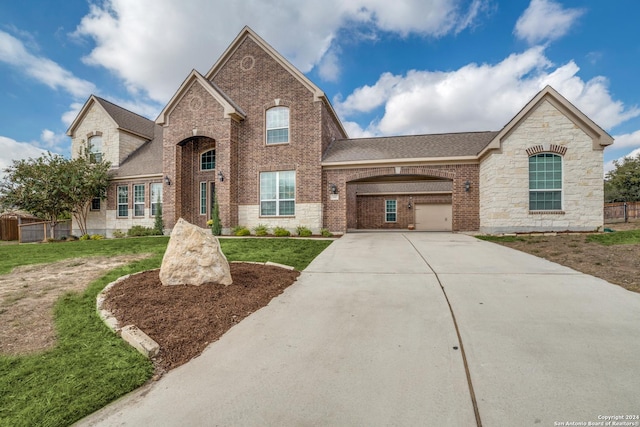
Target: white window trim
[
  {"x": 137, "y": 203},
  {"x": 203, "y": 191},
  {"x": 152, "y": 200},
  {"x": 120, "y": 203},
  {"x": 277, "y": 199},
  {"x": 541, "y": 190},
  {"x": 267, "y": 128},
  {"x": 387, "y": 212},
  {"x": 214, "y": 160},
  {"x": 95, "y": 156}
]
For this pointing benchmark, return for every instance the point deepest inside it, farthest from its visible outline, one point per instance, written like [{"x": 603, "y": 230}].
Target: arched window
[
  {"x": 545, "y": 182},
  {"x": 95, "y": 149},
  {"x": 278, "y": 125},
  {"x": 208, "y": 160}
]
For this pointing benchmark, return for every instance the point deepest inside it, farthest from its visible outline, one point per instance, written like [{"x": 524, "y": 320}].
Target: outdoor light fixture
[
  {"x": 220, "y": 176},
  {"x": 467, "y": 186},
  {"x": 333, "y": 189},
  {"x": 409, "y": 206},
  {"x": 167, "y": 180}
]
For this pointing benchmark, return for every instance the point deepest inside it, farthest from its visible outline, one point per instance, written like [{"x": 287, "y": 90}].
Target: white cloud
[
  {"x": 545, "y": 20},
  {"x": 478, "y": 97},
  {"x": 329, "y": 67},
  {"x": 11, "y": 149},
  {"x": 153, "y": 44},
  {"x": 627, "y": 140},
  {"x": 14, "y": 52},
  {"x": 50, "y": 139}
]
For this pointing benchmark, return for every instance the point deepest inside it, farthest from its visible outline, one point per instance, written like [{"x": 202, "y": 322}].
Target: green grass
[
  {"x": 629, "y": 237},
  {"x": 90, "y": 366}
]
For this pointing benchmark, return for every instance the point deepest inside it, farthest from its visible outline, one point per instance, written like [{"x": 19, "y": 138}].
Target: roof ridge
[
  {"x": 122, "y": 108},
  {"x": 418, "y": 135}
]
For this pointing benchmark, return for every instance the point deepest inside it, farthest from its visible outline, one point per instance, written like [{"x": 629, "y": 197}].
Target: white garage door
[{"x": 433, "y": 217}]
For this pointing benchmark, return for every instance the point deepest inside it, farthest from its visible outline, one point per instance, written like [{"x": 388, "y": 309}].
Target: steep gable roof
[
  {"x": 599, "y": 136},
  {"x": 146, "y": 160},
  {"x": 461, "y": 146},
  {"x": 231, "y": 109},
  {"x": 318, "y": 94},
  {"x": 123, "y": 119}
]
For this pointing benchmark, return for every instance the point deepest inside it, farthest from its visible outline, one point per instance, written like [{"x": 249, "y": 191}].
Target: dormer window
[
  {"x": 278, "y": 125},
  {"x": 208, "y": 160},
  {"x": 95, "y": 149}
]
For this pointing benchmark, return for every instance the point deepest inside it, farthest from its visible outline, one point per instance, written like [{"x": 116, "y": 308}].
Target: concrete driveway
[{"x": 369, "y": 336}]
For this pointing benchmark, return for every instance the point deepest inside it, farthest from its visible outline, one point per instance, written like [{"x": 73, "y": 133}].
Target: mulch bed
[{"x": 184, "y": 319}]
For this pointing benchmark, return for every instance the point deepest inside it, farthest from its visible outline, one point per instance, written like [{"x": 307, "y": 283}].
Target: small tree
[
  {"x": 623, "y": 182},
  {"x": 158, "y": 224},
  {"x": 87, "y": 180},
  {"x": 216, "y": 225}
]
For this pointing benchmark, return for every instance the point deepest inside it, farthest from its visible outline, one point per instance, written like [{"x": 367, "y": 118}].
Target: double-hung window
[
  {"x": 545, "y": 182},
  {"x": 278, "y": 125},
  {"x": 156, "y": 198},
  {"x": 138, "y": 200},
  {"x": 278, "y": 193},
  {"x": 391, "y": 213},
  {"x": 123, "y": 201}
]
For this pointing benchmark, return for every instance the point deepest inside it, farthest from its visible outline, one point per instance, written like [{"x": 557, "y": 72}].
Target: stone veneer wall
[
  {"x": 504, "y": 178},
  {"x": 116, "y": 145},
  {"x": 307, "y": 214}
]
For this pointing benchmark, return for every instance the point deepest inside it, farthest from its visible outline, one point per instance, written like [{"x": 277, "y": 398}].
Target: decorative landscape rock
[{"x": 193, "y": 257}]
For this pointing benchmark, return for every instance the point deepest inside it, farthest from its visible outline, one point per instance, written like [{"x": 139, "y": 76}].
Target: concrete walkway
[{"x": 366, "y": 337}]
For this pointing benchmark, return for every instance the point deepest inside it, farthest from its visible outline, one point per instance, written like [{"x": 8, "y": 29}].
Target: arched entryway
[
  {"x": 197, "y": 179},
  {"x": 401, "y": 201}
]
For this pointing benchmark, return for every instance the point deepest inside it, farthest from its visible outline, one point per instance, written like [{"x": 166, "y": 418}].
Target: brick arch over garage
[{"x": 465, "y": 204}]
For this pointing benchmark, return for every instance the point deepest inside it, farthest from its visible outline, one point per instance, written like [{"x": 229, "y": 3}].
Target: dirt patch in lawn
[
  {"x": 28, "y": 293},
  {"x": 619, "y": 264},
  {"x": 183, "y": 320}
]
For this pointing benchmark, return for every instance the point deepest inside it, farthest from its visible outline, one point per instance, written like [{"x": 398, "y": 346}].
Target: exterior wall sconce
[
  {"x": 220, "y": 176},
  {"x": 467, "y": 186},
  {"x": 333, "y": 189},
  {"x": 167, "y": 180},
  {"x": 410, "y": 205}
]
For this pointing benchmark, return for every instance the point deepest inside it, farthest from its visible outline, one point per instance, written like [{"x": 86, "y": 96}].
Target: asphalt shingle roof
[
  {"x": 146, "y": 160},
  {"x": 128, "y": 120},
  {"x": 407, "y": 147}
]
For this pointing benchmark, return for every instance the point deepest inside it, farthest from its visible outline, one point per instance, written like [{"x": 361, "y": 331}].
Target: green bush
[
  {"x": 118, "y": 234},
  {"x": 303, "y": 231},
  {"x": 240, "y": 230},
  {"x": 281, "y": 232},
  {"x": 261, "y": 230},
  {"x": 85, "y": 237},
  {"x": 326, "y": 233},
  {"x": 139, "y": 231},
  {"x": 97, "y": 237}
]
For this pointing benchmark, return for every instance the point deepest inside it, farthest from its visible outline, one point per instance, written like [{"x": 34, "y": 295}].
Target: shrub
[
  {"x": 139, "y": 231},
  {"x": 261, "y": 230},
  {"x": 240, "y": 230},
  {"x": 303, "y": 231},
  {"x": 97, "y": 237},
  {"x": 281, "y": 232},
  {"x": 216, "y": 224},
  {"x": 85, "y": 237},
  {"x": 158, "y": 223},
  {"x": 326, "y": 233},
  {"x": 118, "y": 234}
]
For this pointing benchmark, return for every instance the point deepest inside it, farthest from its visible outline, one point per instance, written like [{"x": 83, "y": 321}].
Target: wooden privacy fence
[
  {"x": 9, "y": 226},
  {"x": 621, "y": 211},
  {"x": 41, "y": 231}
]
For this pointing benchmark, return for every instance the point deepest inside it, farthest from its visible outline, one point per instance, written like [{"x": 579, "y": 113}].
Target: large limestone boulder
[{"x": 193, "y": 257}]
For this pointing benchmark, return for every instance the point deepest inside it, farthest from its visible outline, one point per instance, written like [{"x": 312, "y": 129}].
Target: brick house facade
[{"x": 260, "y": 136}]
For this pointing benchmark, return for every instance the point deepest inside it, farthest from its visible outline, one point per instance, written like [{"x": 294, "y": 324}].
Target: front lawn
[{"x": 90, "y": 366}]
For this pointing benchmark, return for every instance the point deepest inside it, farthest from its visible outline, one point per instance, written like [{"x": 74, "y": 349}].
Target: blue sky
[{"x": 390, "y": 68}]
